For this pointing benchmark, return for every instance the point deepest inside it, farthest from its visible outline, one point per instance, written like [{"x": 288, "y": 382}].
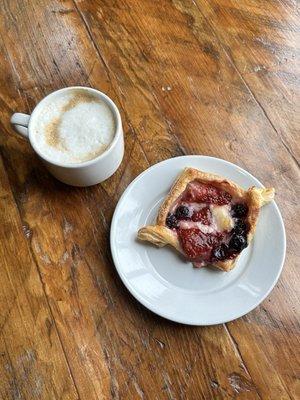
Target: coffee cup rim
[{"x": 113, "y": 108}]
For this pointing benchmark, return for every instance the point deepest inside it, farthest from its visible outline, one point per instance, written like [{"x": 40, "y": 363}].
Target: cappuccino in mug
[
  {"x": 74, "y": 127},
  {"x": 77, "y": 133}
]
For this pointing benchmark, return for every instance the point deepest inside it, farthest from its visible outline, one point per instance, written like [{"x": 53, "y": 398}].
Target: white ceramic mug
[{"x": 80, "y": 174}]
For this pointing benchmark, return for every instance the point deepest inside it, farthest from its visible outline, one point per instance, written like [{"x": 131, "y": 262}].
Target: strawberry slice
[
  {"x": 196, "y": 244},
  {"x": 203, "y": 216},
  {"x": 200, "y": 193}
]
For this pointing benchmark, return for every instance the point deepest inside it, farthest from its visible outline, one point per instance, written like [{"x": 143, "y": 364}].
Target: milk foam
[{"x": 74, "y": 127}]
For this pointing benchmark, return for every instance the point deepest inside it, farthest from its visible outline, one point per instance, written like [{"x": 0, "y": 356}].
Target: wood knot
[{"x": 240, "y": 384}]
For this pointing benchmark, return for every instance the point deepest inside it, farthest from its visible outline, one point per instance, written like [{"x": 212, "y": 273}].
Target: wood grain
[
  {"x": 190, "y": 77},
  {"x": 33, "y": 364}
]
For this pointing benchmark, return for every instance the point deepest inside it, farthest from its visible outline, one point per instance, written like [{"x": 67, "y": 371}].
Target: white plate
[{"x": 169, "y": 286}]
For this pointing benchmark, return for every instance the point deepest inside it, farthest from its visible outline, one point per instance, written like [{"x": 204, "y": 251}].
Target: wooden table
[{"x": 214, "y": 77}]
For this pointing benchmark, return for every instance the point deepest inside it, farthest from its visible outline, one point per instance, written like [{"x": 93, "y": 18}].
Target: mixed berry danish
[{"x": 207, "y": 218}]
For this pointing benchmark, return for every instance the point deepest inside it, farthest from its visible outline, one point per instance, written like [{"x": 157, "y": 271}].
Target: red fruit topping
[
  {"x": 198, "y": 245},
  {"x": 200, "y": 193},
  {"x": 203, "y": 216}
]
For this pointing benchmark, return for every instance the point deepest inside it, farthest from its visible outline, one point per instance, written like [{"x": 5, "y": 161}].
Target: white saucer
[{"x": 169, "y": 286}]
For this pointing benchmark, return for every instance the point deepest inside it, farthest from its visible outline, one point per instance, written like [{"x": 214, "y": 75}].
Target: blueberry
[
  {"x": 240, "y": 227},
  {"x": 238, "y": 242},
  {"x": 239, "y": 210},
  {"x": 220, "y": 253},
  {"x": 182, "y": 212},
  {"x": 171, "y": 221}
]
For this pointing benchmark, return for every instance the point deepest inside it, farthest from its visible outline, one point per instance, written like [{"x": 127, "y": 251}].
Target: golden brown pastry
[{"x": 207, "y": 218}]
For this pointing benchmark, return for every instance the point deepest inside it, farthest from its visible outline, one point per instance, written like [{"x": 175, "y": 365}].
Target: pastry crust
[{"x": 254, "y": 197}]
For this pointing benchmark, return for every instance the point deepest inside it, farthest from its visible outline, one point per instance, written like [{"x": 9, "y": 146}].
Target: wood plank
[
  {"x": 18, "y": 151},
  {"x": 262, "y": 40},
  {"x": 33, "y": 364}
]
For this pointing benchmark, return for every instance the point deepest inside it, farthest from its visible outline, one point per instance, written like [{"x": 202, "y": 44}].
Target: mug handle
[{"x": 19, "y": 122}]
